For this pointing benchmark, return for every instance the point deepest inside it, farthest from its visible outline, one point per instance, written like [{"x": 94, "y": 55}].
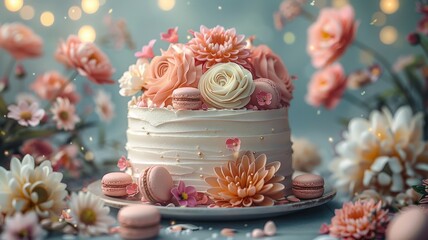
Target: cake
[{"x": 245, "y": 92}]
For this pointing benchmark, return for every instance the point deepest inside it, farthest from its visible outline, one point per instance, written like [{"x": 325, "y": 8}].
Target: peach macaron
[
  {"x": 114, "y": 184},
  {"x": 186, "y": 98},
  {"x": 139, "y": 222},
  {"x": 155, "y": 185},
  {"x": 308, "y": 186}
]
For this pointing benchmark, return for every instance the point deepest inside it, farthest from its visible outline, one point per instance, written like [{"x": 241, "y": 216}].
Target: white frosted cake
[
  {"x": 213, "y": 114},
  {"x": 189, "y": 144}
]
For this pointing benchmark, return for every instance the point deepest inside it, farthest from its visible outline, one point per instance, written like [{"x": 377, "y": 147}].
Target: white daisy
[
  {"x": 28, "y": 188},
  {"x": 385, "y": 153},
  {"x": 105, "y": 107},
  {"x": 23, "y": 226},
  {"x": 89, "y": 214},
  {"x": 64, "y": 114}
]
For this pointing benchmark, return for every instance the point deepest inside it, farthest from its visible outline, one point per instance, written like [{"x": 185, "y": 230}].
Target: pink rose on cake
[
  {"x": 226, "y": 85},
  {"x": 217, "y": 45},
  {"x": 330, "y": 35},
  {"x": 20, "y": 41},
  {"x": 175, "y": 68},
  {"x": 327, "y": 87},
  {"x": 267, "y": 64}
]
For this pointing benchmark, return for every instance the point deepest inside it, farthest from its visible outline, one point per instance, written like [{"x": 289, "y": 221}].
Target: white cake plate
[{"x": 216, "y": 214}]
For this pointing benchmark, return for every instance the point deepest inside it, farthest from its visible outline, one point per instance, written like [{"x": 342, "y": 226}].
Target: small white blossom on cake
[
  {"x": 227, "y": 85},
  {"x": 385, "y": 153},
  {"x": 134, "y": 80},
  {"x": 89, "y": 214},
  {"x": 29, "y": 188}
]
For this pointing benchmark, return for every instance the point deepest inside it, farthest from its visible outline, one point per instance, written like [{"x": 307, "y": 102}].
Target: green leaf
[
  {"x": 101, "y": 137},
  {"x": 3, "y": 106},
  {"x": 420, "y": 189}
]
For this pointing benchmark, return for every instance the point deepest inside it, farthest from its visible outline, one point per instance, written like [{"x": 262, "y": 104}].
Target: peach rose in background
[
  {"x": 20, "y": 41},
  {"x": 87, "y": 59},
  {"x": 331, "y": 35},
  {"x": 175, "y": 68},
  {"x": 50, "y": 85},
  {"x": 327, "y": 87},
  {"x": 227, "y": 85},
  {"x": 266, "y": 64}
]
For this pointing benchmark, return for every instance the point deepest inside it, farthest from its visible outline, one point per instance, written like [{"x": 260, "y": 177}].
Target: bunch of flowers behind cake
[
  {"x": 33, "y": 119},
  {"x": 228, "y": 71}
]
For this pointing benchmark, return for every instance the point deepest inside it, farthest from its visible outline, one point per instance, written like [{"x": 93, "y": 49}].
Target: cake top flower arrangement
[{"x": 227, "y": 70}]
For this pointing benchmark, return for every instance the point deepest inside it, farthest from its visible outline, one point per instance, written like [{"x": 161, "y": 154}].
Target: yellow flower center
[
  {"x": 326, "y": 35},
  {"x": 25, "y": 115},
  {"x": 184, "y": 196},
  {"x": 42, "y": 194},
  {"x": 88, "y": 216},
  {"x": 24, "y": 234},
  {"x": 323, "y": 83},
  {"x": 63, "y": 115}
]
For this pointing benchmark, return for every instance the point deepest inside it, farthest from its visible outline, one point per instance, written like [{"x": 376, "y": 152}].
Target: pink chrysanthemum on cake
[
  {"x": 359, "y": 220},
  {"x": 246, "y": 182},
  {"x": 217, "y": 45}
]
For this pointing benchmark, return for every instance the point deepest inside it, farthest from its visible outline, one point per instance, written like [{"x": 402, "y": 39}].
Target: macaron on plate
[{"x": 218, "y": 214}]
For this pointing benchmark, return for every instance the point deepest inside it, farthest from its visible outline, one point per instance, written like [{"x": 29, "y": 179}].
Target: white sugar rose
[
  {"x": 227, "y": 85},
  {"x": 134, "y": 80}
]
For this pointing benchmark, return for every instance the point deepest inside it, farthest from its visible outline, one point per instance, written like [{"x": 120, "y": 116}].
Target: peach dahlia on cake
[{"x": 214, "y": 113}]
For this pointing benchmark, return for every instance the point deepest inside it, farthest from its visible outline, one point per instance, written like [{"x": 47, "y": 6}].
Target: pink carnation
[
  {"x": 87, "y": 59},
  {"x": 20, "y": 41},
  {"x": 38, "y": 148},
  {"x": 327, "y": 86},
  {"x": 217, "y": 45},
  {"x": 175, "y": 68},
  {"x": 330, "y": 35},
  {"x": 50, "y": 85},
  {"x": 266, "y": 64},
  {"x": 66, "y": 158}
]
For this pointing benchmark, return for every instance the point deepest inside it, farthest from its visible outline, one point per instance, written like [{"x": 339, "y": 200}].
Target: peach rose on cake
[
  {"x": 327, "y": 86},
  {"x": 48, "y": 86},
  {"x": 175, "y": 68},
  {"x": 227, "y": 85},
  {"x": 20, "y": 41},
  {"x": 330, "y": 35},
  {"x": 266, "y": 64}
]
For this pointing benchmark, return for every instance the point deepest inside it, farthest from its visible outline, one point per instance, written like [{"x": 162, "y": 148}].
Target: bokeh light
[
  {"x": 47, "y": 19},
  {"x": 27, "y": 12},
  {"x": 75, "y": 13},
  {"x": 389, "y": 6},
  {"x": 13, "y": 5},
  {"x": 339, "y": 3},
  {"x": 378, "y": 19},
  {"x": 366, "y": 58},
  {"x": 87, "y": 33},
  {"x": 90, "y": 6},
  {"x": 166, "y": 5},
  {"x": 388, "y": 35},
  {"x": 289, "y": 38}
]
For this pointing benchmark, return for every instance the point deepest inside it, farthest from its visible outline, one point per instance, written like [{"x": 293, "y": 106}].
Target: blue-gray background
[{"x": 145, "y": 21}]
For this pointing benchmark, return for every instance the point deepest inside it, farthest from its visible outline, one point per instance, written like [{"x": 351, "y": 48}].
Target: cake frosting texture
[{"x": 189, "y": 144}]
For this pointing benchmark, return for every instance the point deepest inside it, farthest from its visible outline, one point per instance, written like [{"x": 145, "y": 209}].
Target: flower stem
[
  {"x": 395, "y": 79},
  {"x": 357, "y": 102},
  {"x": 9, "y": 67},
  {"x": 58, "y": 93}
]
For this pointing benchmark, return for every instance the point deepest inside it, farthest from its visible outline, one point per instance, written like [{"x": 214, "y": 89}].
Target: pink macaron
[
  {"x": 186, "y": 98},
  {"x": 266, "y": 94},
  {"x": 308, "y": 186},
  {"x": 139, "y": 222},
  {"x": 410, "y": 223},
  {"x": 155, "y": 184},
  {"x": 114, "y": 184}
]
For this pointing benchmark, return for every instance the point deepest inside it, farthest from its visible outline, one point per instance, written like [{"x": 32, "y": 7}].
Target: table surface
[{"x": 300, "y": 225}]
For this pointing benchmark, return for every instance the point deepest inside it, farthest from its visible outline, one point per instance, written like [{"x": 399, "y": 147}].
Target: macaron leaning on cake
[
  {"x": 155, "y": 185},
  {"x": 186, "y": 98},
  {"x": 266, "y": 94},
  {"x": 308, "y": 186},
  {"x": 114, "y": 184},
  {"x": 139, "y": 222}
]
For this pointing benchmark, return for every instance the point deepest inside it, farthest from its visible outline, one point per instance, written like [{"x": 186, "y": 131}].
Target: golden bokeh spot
[
  {"x": 27, "y": 12},
  {"x": 289, "y": 38},
  {"x": 13, "y": 5},
  {"x": 87, "y": 33},
  {"x": 74, "y": 13},
  {"x": 47, "y": 19},
  {"x": 166, "y": 5},
  {"x": 378, "y": 19},
  {"x": 388, "y": 35},
  {"x": 389, "y": 6},
  {"x": 90, "y": 6}
]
